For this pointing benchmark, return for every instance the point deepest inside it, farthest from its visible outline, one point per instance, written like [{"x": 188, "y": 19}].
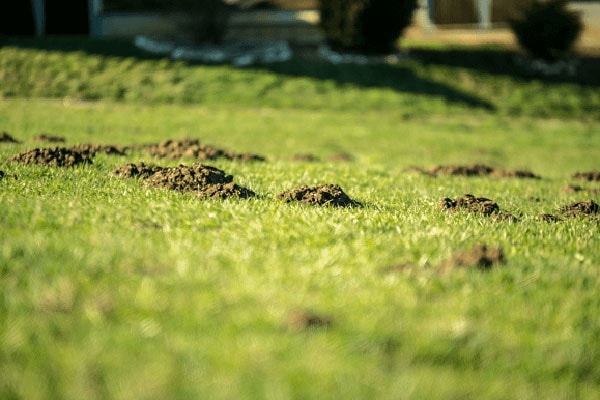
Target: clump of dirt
[
  {"x": 341, "y": 157},
  {"x": 480, "y": 256},
  {"x": 44, "y": 137},
  {"x": 579, "y": 209},
  {"x": 481, "y": 205},
  {"x": 206, "y": 181},
  {"x": 192, "y": 148},
  {"x": 140, "y": 170},
  {"x": 474, "y": 170},
  {"x": 593, "y": 175},
  {"x": 549, "y": 217},
  {"x": 308, "y": 157},
  {"x": 56, "y": 157},
  {"x": 578, "y": 188},
  {"x": 587, "y": 208},
  {"x": 90, "y": 150},
  {"x": 325, "y": 195},
  {"x": 307, "y": 320},
  {"x": 6, "y": 138}
]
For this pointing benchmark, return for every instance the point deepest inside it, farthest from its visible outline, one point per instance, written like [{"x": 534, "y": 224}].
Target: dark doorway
[
  {"x": 67, "y": 17},
  {"x": 16, "y": 18}
]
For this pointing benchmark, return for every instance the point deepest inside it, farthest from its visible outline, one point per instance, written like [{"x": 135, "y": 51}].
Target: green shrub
[
  {"x": 547, "y": 29},
  {"x": 369, "y": 26},
  {"x": 203, "y": 20}
]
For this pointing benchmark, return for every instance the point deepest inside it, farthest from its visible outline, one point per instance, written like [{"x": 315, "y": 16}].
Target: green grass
[{"x": 109, "y": 289}]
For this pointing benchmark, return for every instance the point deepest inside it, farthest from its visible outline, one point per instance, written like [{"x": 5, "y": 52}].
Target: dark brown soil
[
  {"x": 481, "y": 205},
  {"x": 324, "y": 195},
  {"x": 307, "y": 320},
  {"x": 341, "y": 157},
  {"x": 193, "y": 149},
  {"x": 550, "y": 218},
  {"x": 474, "y": 170},
  {"x": 6, "y": 138},
  {"x": 305, "y": 157},
  {"x": 579, "y": 209},
  {"x": 56, "y": 157},
  {"x": 140, "y": 170},
  {"x": 90, "y": 150},
  {"x": 204, "y": 180},
  {"x": 593, "y": 175},
  {"x": 587, "y": 208},
  {"x": 44, "y": 137},
  {"x": 479, "y": 256},
  {"x": 578, "y": 188}
]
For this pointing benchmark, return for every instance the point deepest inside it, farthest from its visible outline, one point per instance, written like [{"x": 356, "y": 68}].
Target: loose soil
[
  {"x": 480, "y": 256},
  {"x": 90, "y": 150},
  {"x": 140, "y": 170},
  {"x": 308, "y": 157},
  {"x": 578, "y": 188},
  {"x": 203, "y": 180},
  {"x": 341, "y": 157},
  {"x": 593, "y": 175},
  {"x": 481, "y": 205},
  {"x": 6, "y": 138},
  {"x": 44, "y": 137},
  {"x": 474, "y": 170},
  {"x": 324, "y": 195},
  {"x": 582, "y": 209},
  {"x": 307, "y": 320},
  {"x": 193, "y": 149},
  {"x": 579, "y": 209},
  {"x": 56, "y": 157}
]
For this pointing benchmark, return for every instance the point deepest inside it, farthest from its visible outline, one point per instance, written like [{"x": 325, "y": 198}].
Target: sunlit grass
[{"x": 111, "y": 289}]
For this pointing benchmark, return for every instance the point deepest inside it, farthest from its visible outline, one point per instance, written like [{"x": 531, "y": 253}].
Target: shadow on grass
[
  {"x": 397, "y": 78},
  {"x": 503, "y": 62}
]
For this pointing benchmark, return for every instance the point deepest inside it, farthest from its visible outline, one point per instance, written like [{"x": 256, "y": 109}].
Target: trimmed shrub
[
  {"x": 547, "y": 29},
  {"x": 203, "y": 21},
  {"x": 366, "y": 26}
]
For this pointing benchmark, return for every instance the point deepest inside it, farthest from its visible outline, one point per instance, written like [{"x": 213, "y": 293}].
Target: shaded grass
[{"x": 428, "y": 82}]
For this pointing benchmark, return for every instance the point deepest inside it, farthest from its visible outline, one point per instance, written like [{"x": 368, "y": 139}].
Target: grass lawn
[{"x": 110, "y": 289}]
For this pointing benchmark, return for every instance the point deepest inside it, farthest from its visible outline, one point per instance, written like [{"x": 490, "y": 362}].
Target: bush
[
  {"x": 203, "y": 20},
  {"x": 547, "y": 29},
  {"x": 368, "y": 26}
]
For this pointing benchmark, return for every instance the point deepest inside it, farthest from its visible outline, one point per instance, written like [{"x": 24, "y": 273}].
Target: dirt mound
[
  {"x": 56, "y": 157},
  {"x": 308, "y": 157},
  {"x": 307, "y": 320},
  {"x": 44, "y": 137},
  {"x": 580, "y": 209},
  {"x": 90, "y": 150},
  {"x": 206, "y": 181},
  {"x": 479, "y": 256},
  {"x": 6, "y": 138},
  {"x": 324, "y": 195},
  {"x": 341, "y": 156},
  {"x": 140, "y": 170},
  {"x": 578, "y": 188},
  {"x": 192, "y": 148},
  {"x": 593, "y": 175},
  {"x": 473, "y": 170},
  {"x": 481, "y": 205}
]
